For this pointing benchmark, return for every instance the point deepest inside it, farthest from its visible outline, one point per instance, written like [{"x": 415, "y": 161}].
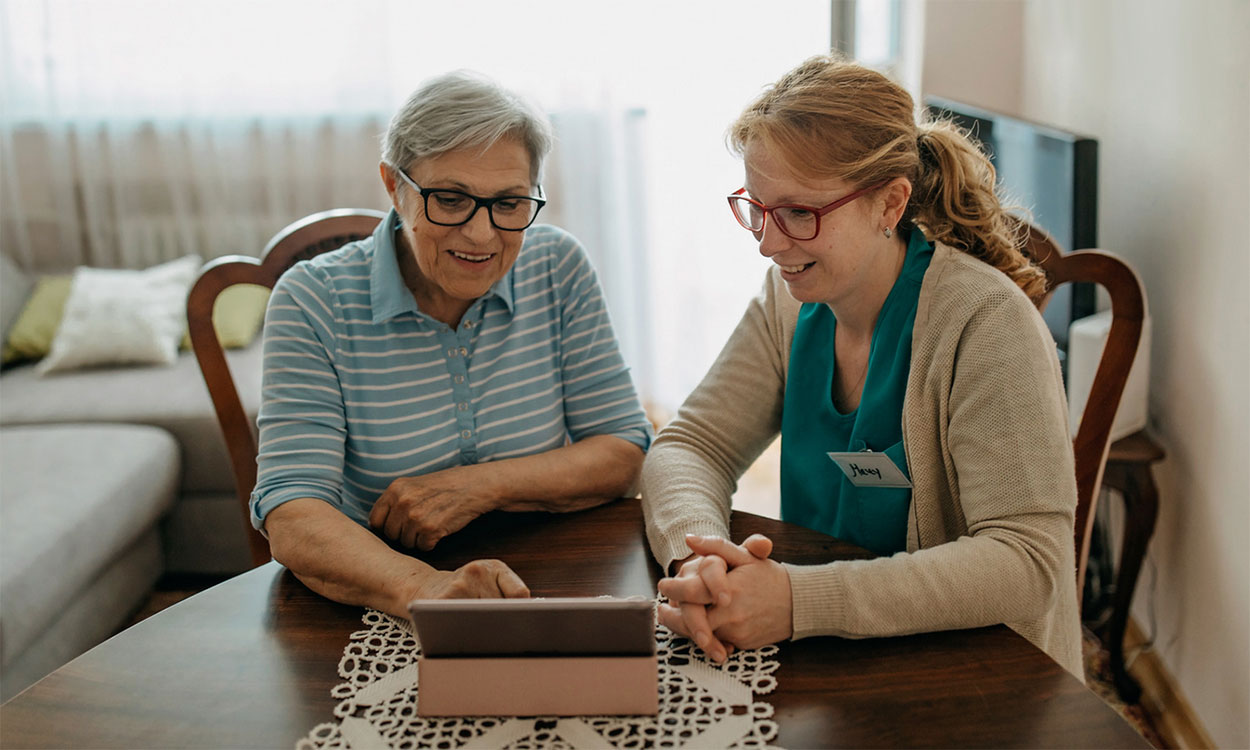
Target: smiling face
[
  {"x": 447, "y": 268},
  {"x": 844, "y": 259}
]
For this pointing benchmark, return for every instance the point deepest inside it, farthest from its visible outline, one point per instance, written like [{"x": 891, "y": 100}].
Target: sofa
[{"x": 109, "y": 478}]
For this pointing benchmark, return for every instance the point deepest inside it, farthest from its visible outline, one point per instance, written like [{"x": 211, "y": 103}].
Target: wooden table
[{"x": 250, "y": 663}]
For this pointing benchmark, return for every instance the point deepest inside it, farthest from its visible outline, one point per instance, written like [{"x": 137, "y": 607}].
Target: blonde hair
[{"x": 830, "y": 117}]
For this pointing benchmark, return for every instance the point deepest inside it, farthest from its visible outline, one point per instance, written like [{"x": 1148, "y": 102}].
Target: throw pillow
[
  {"x": 238, "y": 315},
  {"x": 14, "y": 286},
  {"x": 123, "y": 317},
  {"x": 32, "y": 333}
]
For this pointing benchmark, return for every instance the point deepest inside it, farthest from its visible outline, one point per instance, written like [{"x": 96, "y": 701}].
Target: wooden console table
[{"x": 1128, "y": 471}]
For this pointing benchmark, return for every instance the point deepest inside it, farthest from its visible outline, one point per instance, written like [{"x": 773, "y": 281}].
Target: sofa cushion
[
  {"x": 92, "y": 615},
  {"x": 120, "y": 316},
  {"x": 75, "y": 498},
  {"x": 173, "y": 398},
  {"x": 30, "y": 335},
  {"x": 15, "y": 286}
]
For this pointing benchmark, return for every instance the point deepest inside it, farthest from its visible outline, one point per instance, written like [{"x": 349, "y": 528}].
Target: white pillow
[{"x": 123, "y": 317}]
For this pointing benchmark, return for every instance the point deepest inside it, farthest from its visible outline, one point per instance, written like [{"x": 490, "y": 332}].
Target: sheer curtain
[{"x": 134, "y": 131}]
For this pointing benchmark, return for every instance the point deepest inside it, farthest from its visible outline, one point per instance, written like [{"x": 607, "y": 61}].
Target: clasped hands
[{"x": 728, "y": 596}]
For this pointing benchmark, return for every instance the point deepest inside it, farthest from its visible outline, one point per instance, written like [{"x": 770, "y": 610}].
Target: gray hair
[{"x": 462, "y": 109}]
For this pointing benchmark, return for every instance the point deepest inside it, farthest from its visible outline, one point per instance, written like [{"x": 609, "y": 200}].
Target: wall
[
  {"x": 959, "y": 70},
  {"x": 1164, "y": 87}
]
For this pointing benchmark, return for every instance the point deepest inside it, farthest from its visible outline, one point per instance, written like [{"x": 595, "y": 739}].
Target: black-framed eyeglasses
[
  {"x": 451, "y": 208},
  {"x": 796, "y": 221}
]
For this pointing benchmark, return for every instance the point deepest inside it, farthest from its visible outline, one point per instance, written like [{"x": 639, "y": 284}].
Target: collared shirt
[{"x": 361, "y": 387}]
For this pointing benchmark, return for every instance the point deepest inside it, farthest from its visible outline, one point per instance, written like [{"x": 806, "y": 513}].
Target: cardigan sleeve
[{"x": 692, "y": 470}]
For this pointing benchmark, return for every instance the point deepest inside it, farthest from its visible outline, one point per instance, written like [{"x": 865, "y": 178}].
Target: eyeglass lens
[
  {"x": 799, "y": 223},
  {"x": 452, "y": 207}
]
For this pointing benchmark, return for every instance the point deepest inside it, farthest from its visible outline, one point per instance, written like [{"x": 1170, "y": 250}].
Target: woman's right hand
[{"x": 479, "y": 579}]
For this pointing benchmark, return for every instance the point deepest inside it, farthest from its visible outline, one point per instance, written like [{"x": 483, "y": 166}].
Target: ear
[
  {"x": 390, "y": 182},
  {"x": 894, "y": 195}
]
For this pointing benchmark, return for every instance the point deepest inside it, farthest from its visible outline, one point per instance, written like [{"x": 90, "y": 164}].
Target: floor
[{"x": 169, "y": 591}]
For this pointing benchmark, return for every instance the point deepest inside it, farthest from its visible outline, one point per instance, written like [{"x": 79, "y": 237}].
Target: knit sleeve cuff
[
  {"x": 672, "y": 544},
  {"x": 816, "y": 600}
]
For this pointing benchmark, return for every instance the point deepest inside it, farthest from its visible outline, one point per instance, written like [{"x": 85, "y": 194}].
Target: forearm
[
  {"x": 682, "y": 494},
  {"x": 1001, "y": 576},
  {"x": 590, "y": 472},
  {"x": 692, "y": 469},
  {"x": 342, "y": 560}
]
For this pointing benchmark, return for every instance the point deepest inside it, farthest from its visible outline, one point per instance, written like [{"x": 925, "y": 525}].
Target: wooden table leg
[{"x": 1141, "y": 506}]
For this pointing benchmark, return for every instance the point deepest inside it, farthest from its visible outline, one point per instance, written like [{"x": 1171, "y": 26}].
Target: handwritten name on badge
[
  {"x": 858, "y": 471},
  {"x": 870, "y": 469}
]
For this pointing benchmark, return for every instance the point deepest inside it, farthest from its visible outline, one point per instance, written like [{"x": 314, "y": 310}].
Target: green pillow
[
  {"x": 32, "y": 333},
  {"x": 237, "y": 315}
]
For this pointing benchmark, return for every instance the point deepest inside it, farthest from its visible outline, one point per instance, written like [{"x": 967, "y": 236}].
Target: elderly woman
[
  {"x": 456, "y": 362},
  {"x": 896, "y": 330}
]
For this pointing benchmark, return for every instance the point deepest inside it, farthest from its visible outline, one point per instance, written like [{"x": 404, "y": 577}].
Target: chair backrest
[
  {"x": 306, "y": 238},
  {"x": 1128, "y": 310}
]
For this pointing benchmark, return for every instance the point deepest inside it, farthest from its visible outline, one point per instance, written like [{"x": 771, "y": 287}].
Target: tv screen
[{"x": 1054, "y": 175}]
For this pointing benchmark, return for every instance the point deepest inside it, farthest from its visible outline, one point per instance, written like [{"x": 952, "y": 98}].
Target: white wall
[
  {"x": 960, "y": 71},
  {"x": 1165, "y": 88}
]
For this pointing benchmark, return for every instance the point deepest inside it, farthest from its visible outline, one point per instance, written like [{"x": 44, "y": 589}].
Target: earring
[{"x": 888, "y": 232}]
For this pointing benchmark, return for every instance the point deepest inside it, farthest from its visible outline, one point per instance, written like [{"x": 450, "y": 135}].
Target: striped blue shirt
[{"x": 360, "y": 387}]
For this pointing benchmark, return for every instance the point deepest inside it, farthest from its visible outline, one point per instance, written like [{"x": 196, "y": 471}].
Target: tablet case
[{"x": 536, "y": 657}]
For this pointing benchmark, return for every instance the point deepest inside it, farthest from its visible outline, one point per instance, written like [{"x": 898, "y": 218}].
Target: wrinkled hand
[
  {"x": 728, "y": 596},
  {"x": 480, "y": 579},
  {"x": 420, "y": 511}
]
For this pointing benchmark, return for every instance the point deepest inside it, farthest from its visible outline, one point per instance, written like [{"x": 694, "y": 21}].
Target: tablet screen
[{"x": 588, "y": 626}]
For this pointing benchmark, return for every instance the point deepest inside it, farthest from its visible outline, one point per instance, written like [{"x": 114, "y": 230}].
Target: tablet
[{"x": 591, "y": 626}]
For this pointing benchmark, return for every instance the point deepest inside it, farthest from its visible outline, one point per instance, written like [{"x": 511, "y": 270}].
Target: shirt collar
[
  {"x": 389, "y": 296},
  {"x": 503, "y": 288}
]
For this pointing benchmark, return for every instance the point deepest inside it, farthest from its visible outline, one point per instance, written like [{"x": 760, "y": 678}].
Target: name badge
[{"x": 870, "y": 469}]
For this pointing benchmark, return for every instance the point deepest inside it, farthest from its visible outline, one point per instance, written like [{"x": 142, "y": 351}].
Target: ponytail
[{"x": 954, "y": 201}]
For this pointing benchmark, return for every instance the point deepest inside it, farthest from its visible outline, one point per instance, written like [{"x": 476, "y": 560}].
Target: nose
[
  {"x": 772, "y": 240},
  {"x": 478, "y": 228}
]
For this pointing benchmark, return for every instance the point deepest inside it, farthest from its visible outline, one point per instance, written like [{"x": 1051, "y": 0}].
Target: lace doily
[{"x": 702, "y": 704}]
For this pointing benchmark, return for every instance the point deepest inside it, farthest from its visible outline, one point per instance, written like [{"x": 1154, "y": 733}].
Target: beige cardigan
[{"x": 989, "y": 537}]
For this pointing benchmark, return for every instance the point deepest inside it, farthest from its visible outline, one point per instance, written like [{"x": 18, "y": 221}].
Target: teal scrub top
[{"x": 814, "y": 491}]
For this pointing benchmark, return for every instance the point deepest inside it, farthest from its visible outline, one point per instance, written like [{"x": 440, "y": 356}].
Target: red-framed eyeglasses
[{"x": 795, "y": 221}]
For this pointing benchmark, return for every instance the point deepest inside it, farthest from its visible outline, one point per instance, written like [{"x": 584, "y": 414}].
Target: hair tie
[{"x": 924, "y": 145}]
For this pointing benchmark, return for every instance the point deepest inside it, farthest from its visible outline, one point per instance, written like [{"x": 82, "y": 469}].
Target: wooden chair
[
  {"x": 306, "y": 238},
  {"x": 1128, "y": 310}
]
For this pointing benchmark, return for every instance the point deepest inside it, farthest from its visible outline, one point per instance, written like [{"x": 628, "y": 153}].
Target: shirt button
[
  {"x": 459, "y": 378},
  {"x": 464, "y": 352},
  {"x": 468, "y": 324},
  {"x": 451, "y": 352},
  {"x": 462, "y": 406},
  {"x": 465, "y": 434}
]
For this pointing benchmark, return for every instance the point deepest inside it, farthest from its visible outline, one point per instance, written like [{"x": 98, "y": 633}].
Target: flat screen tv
[{"x": 1053, "y": 174}]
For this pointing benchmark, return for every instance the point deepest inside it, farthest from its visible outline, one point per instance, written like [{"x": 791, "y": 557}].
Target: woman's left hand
[
  {"x": 419, "y": 511},
  {"x": 759, "y": 609}
]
